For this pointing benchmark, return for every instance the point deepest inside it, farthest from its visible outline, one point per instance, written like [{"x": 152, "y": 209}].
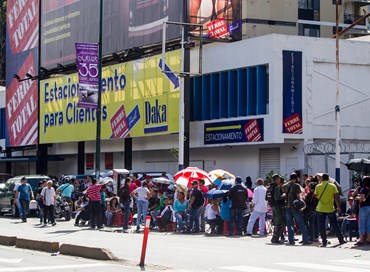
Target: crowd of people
[{"x": 310, "y": 208}]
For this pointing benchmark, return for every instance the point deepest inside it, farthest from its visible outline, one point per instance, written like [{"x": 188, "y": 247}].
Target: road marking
[
  {"x": 53, "y": 267},
  {"x": 244, "y": 268},
  {"x": 352, "y": 262},
  {"x": 10, "y": 261},
  {"x": 322, "y": 267}
]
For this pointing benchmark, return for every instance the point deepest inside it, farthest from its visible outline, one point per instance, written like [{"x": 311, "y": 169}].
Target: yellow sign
[{"x": 137, "y": 100}]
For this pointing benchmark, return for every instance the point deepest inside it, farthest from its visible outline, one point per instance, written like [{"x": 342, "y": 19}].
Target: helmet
[{"x": 299, "y": 204}]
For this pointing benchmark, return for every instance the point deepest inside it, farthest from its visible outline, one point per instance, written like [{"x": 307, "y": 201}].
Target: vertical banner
[
  {"x": 89, "y": 161},
  {"x": 87, "y": 64},
  {"x": 292, "y": 92}
]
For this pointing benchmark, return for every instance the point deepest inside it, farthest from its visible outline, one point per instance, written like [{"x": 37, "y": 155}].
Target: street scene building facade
[{"x": 265, "y": 103}]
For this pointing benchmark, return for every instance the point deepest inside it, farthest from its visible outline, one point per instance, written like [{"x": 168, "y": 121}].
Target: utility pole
[{"x": 337, "y": 106}]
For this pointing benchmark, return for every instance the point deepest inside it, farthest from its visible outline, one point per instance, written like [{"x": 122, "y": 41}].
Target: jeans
[
  {"x": 180, "y": 218},
  {"x": 96, "y": 219},
  {"x": 364, "y": 220},
  {"x": 252, "y": 219},
  {"x": 142, "y": 209},
  {"x": 291, "y": 213},
  {"x": 19, "y": 208},
  {"x": 25, "y": 205},
  {"x": 193, "y": 220},
  {"x": 49, "y": 214},
  {"x": 126, "y": 210},
  {"x": 236, "y": 219},
  {"x": 109, "y": 217},
  {"x": 310, "y": 219},
  {"x": 321, "y": 217}
]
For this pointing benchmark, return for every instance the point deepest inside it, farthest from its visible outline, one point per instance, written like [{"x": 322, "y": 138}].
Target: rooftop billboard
[{"x": 126, "y": 24}]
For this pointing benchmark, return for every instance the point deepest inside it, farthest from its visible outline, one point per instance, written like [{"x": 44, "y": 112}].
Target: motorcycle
[{"x": 62, "y": 208}]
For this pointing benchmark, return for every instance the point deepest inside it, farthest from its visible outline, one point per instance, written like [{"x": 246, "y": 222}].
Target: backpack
[
  {"x": 167, "y": 216},
  {"x": 270, "y": 195}
]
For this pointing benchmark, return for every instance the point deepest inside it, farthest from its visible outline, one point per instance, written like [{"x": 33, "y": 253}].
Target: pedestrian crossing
[{"x": 343, "y": 265}]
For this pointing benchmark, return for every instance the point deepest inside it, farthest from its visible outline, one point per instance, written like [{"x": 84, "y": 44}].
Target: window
[{"x": 233, "y": 93}]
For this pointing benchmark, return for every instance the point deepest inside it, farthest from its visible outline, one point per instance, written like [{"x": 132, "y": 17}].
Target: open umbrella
[
  {"x": 226, "y": 184},
  {"x": 189, "y": 174},
  {"x": 360, "y": 165},
  {"x": 161, "y": 180},
  {"x": 216, "y": 176},
  {"x": 215, "y": 193}
]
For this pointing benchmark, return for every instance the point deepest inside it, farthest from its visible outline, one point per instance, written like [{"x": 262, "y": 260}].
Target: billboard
[
  {"x": 240, "y": 131},
  {"x": 22, "y": 35},
  {"x": 292, "y": 92},
  {"x": 126, "y": 24},
  {"x": 220, "y": 19},
  {"x": 137, "y": 100}
]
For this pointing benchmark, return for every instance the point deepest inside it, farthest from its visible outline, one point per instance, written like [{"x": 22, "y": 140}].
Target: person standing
[
  {"x": 142, "y": 194},
  {"x": 364, "y": 212},
  {"x": 293, "y": 191},
  {"x": 278, "y": 209},
  {"x": 238, "y": 196},
  {"x": 327, "y": 193},
  {"x": 48, "y": 198},
  {"x": 259, "y": 210},
  {"x": 196, "y": 201},
  {"x": 203, "y": 188},
  {"x": 93, "y": 192},
  {"x": 24, "y": 192},
  {"x": 125, "y": 200}
]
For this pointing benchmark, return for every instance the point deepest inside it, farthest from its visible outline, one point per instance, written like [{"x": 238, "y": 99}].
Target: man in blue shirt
[
  {"x": 66, "y": 190},
  {"x": 24, "y": 192}
]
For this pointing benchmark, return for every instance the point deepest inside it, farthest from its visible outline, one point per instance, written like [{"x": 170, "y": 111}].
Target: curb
[
  {"x": 87, "y": 252},
  {"x": 8, "y": 240},
  {"x": 37, "y": 245}
]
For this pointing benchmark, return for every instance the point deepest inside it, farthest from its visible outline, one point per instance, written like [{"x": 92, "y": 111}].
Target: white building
[{"x": 235, "y": 64}]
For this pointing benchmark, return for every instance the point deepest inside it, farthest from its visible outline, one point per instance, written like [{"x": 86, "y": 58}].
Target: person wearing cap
[
  {"x": 40, "y": 202},
  {"x": 196, "y": 201},
  {"x": 48, "y": 198},
  {"x": 293, "y": 191},
  {"x": 24, "y": 192},
  {"x": 203, "y": 188},
  {"x": 278, "y": 209},
  {"x": 327, "y": 193},
  {"x": 238, "y": 196},
  {"x": 259, "y": 209}
]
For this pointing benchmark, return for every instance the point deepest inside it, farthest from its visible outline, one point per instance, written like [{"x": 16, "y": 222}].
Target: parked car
[
  {"x": 7, "y": 194},
  {"x": 3, "y": 178}
]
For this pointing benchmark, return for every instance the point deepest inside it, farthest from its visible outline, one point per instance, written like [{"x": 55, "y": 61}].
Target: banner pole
[{"x": 98, "y": 110}]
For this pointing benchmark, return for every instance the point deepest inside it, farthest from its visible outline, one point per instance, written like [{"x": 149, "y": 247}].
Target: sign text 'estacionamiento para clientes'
[{"x": 137, "y": 100}]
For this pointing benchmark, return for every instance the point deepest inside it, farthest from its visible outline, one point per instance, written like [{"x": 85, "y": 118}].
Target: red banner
[
  {"x": 217, "y": 29},
  {"x": 23, "y": 24},
  {"x": 293, "y": 124},
  {"x": 22, "y": 107},
  {"x": 119, "y": 124},
  {"x": 252, "y": 131},
  {"x": 89, "y": 161}
]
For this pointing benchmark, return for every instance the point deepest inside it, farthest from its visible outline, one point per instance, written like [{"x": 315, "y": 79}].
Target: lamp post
[
  {"x": 337, "y": 106},
  {"x": 98, "y": 110}
]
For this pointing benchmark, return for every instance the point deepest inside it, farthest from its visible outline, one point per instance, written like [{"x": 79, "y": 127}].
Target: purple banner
[{"x": 88, "y": 76}]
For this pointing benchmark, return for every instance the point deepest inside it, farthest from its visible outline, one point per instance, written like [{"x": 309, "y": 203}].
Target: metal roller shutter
[{"x": 269, "y": 161}]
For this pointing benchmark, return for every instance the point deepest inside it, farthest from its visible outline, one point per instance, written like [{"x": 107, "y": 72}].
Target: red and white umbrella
[{"x": 189, "y": 174}]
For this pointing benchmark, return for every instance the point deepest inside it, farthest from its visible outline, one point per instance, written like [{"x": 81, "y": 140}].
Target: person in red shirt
[
  {"x": 93, "y": 192},
  {"x": 135, "y": 180}
]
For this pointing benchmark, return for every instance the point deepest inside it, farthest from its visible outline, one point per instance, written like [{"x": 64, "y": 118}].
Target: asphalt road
[{"x": 175, "y": 252}]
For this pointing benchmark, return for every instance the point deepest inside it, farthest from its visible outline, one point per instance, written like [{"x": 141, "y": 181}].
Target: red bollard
[{"x": 145, "y": 240}]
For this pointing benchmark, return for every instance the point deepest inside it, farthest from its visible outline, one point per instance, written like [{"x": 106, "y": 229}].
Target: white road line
[
  {"x": 50, "y": 268},
  {"x": 10, "y": 261},
  {"x": 322, "y": 267},
  {"x": 244, "y": 268},
  {"x": 352, "y": 262}
]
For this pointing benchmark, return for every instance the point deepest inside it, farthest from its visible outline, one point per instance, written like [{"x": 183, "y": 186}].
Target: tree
[{"x": 2, "y": 41}]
